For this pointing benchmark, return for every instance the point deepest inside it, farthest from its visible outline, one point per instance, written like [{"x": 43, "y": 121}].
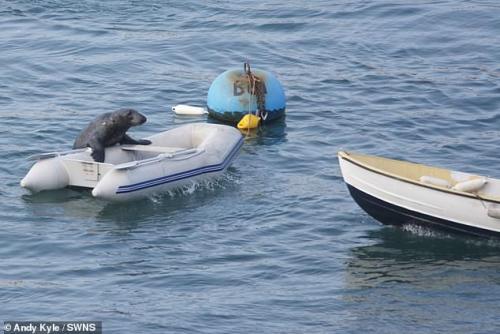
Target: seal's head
[{"x": 128, "y": 117}]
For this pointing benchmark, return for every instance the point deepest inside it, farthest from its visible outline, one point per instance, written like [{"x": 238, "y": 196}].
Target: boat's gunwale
[{"x": 346, "y": 156}]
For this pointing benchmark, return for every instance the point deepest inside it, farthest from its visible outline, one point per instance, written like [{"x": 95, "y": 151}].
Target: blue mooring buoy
[{"x": 230, "y": 96}]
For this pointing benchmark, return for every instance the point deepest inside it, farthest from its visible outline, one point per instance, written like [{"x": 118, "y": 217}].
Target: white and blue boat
[
  {"x": 175, "y": 158},
  {"x": 399, "y": 192}
]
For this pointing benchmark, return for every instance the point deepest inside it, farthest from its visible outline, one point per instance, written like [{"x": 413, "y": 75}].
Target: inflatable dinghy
[{"x": 175, "y": 158}]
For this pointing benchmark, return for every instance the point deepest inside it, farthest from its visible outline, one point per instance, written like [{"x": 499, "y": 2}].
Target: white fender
[
  {"x": 183, "y": 109},
  {"x": 46, "y": 174},
  {"x": 470, "y": 186},
  {"x": 435, "y": 181}
]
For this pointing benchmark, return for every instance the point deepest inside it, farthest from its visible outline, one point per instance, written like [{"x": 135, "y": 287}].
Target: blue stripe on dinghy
[
  {"x": 391, "y": 214},
  {"x": 182, "y": 175}
]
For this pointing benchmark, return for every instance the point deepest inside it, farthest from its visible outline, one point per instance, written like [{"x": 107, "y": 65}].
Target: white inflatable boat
[{"x": 175, "y": 158}]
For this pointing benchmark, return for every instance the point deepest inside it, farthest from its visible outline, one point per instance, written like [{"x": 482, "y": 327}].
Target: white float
[
  {"x": 184, "y": 109},
  {"x": 175, "y": 158}
]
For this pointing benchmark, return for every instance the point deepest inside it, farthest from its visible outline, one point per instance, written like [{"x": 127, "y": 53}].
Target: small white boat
[
  {"x": 399, "y": 192},
  {"x": 175, "y": 158}
]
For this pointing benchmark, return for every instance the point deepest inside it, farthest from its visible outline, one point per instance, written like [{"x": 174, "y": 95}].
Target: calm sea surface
[{"x": 277, "y": 245}]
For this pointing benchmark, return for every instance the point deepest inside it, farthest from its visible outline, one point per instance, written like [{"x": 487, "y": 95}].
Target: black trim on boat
[
  {"x": 346, "y": 157},
  {"x": 391, "y": 214}
]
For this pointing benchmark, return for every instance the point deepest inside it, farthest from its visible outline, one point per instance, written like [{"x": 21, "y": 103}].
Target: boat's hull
[
  {"x": 396, "y": 202},
  {"x": 391, "y": 214},
  {"x": 164, "y": 176}
]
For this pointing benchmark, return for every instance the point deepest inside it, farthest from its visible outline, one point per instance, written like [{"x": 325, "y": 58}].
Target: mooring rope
[{"x": 256, "y": 87}]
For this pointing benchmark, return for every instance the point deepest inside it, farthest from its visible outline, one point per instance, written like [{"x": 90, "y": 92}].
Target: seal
[{"x": 109, "y": 129}]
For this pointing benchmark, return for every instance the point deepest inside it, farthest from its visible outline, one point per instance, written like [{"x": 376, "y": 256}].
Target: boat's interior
[
  {"x": 408, "y": 170},
  {"x": 431, "y": 176},
  {"x": 120, "y": 154},
  {"x": 128, "y": 153},
  {"x": 169, "y": 142}
]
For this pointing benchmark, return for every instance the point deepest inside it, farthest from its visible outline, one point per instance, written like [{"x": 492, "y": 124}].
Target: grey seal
[{"x": 109, "y": 129}]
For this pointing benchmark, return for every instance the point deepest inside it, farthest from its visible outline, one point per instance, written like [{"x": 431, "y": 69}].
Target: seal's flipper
[
  {"x": 98, "y": 155},
  {"x": 129, "y": 140},
  {"x": 97, "y": 151},
  {"x": 144, "y": 142}
]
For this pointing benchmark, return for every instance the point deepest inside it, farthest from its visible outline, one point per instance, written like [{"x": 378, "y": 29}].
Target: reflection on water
[
  {"x": 408, "y": 268},
  {"x": 267, "y": 134},
  {"x": 78, "y": 203},
  {"x": 55, "y": 196},
  {"x": 401, "y": 256}
]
